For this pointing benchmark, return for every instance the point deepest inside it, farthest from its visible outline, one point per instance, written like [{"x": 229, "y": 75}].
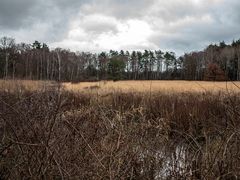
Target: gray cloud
[
  {"x": 121, "y": 9},
  {"x": 13, "y": 13},
  {"x": 105, "y": 24},
  {"x": 196, "y": 25},
  {"x": 98, "y": 24},
  {"x": 47, "y": 20}
]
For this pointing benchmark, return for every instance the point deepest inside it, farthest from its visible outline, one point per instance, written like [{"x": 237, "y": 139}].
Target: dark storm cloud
[
  {"x": 169, "y": 24},
  {"x": 196, "y": 24},
  {"x": 14, "y": 12},
  {"x": 37, "y": 19}
]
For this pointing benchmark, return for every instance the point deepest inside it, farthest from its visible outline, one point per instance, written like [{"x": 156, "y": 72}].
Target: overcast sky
[{"x": 101, "y": 25}]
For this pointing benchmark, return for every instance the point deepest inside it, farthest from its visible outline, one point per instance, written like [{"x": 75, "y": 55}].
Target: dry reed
[{"x": 57, "y": 134}]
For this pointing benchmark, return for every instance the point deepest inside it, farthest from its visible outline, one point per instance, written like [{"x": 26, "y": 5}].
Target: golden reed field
[
  {"x": 127, "y": 86},
  {"x": 154, "y": 86},
  {"x": 15, "y": 85}
]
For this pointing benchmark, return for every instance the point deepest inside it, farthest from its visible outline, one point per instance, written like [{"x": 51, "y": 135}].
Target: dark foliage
[{"x": 38, "y": 62}]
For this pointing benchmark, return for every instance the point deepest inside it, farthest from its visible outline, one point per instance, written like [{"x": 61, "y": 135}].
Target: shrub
[{"x": 55, "y": 134}]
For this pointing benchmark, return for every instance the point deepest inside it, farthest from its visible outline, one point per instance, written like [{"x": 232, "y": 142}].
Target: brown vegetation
[
  {"x": 154, "y": 86},
  {"x": 57, "y": 134},
  {"x": 22, "y": 85}
]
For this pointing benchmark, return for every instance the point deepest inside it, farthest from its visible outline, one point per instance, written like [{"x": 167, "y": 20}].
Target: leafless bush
[{"x": 54, "y": 134}]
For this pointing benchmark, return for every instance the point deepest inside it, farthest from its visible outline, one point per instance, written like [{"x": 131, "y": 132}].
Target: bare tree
[
  {"x": 6, "y": 44},
  {"x": 58, "y": 50}
]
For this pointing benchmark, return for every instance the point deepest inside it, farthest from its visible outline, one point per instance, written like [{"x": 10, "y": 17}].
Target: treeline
[
  {"x": 37, "y": 62},
  {"x": 216, "y": 62}
]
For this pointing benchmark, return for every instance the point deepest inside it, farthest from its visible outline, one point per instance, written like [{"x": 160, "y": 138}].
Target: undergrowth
[{"x": 57, "y": 134}]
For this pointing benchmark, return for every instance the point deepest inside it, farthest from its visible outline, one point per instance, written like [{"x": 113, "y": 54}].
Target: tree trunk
[
  {"x": 13, "y": 72},
  {"x": 41, "y": 67},
  {"x": 238, "y": 64},
  {"x": 47, "y": 68},
  {"x": 26, "y": 67},
  {"x": 59, "y": 66},
  {"x": 6, "y": 65}
]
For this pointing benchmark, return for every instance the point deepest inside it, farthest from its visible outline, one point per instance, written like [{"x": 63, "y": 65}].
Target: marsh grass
[
  {"x": 155, "y": 86},
  {"x": 24, "y": 85},
  {"x": 58, "y": 134}
]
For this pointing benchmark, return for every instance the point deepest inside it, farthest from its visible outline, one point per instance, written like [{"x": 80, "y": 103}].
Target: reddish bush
[{"x": 214, "y": 73}]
